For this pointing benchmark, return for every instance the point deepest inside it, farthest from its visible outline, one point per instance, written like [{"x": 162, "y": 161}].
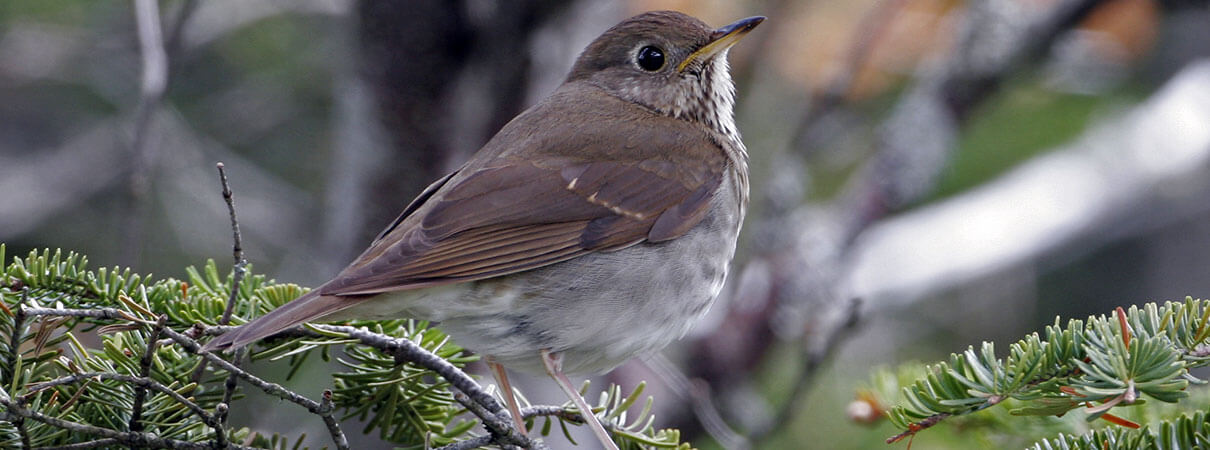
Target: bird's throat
[{"x": 708, "y": 98}]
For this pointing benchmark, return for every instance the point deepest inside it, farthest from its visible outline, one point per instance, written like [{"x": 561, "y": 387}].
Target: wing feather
[{"x": 541, "y": 200}]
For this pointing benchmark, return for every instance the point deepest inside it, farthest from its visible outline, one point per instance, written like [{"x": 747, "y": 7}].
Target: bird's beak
[{"x": 721, "y": 40}]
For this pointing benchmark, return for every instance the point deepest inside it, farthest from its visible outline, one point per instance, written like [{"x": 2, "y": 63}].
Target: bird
[{"x": 595, "y": 226}]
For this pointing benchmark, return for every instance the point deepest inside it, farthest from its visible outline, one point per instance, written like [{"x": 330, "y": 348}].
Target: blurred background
[{"x": 926, "y": 174}]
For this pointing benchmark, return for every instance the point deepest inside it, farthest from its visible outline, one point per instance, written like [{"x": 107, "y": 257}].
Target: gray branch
[
  {"x": 141, "y": 382},
  {"x": 14, "y": 411}
]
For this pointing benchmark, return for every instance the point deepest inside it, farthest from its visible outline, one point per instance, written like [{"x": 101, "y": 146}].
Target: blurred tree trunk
[{"x": 444, "y": 77}]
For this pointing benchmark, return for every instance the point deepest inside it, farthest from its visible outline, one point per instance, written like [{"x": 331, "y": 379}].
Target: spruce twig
[
  {"x": 140, "y": 391},
  {"x": 407, "y": 372},
  {"x": 1094, "y": 365},
  {"x": 141, "y": 382}
]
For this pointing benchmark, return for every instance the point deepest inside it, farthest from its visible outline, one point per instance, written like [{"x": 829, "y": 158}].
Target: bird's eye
[{"x": 650, "y": 58}]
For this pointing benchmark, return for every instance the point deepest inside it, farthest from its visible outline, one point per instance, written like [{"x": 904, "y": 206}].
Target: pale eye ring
[{"x": 650, "y": 58}]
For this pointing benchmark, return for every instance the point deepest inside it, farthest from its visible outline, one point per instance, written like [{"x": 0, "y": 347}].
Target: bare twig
[
  {"x": 94, "y": 313},
  {"x": 500, "y": 422},
  {"x": 14, "y": 410},
  {"x": 926, "y": 423},
  {"x": 486, "y": 407},
  {"x": 499, "y": 427},
  {"x": 230, "y": 385},
  {"x": 140, "y": 382},
  {"x": 98, "y": 443},
  {"x": 470, "y": 444},
  {"x": 569, "y": 415},
  {"x": 220, "y": 431},
  {"x": 140, "y": 392},
  {"x": 10, "y": 366},
  {"x": 153, "y": 83},
  {"x": 239, "y": 269},
  {"x": 237, "y": 250},
  {"x": 326, "y": 407},
  {"x": 405, "y": 350},
  {"x": 270, "y": 388},
  {"x": 14, "y": 342},
  {"x": 267, "y": 387}
]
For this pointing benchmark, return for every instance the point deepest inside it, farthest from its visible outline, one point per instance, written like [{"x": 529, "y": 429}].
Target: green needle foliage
[
  {"x": 95, "y": 367},
  {"x": 1094, "y": 365},
  {"x": 1184, "y": 432}
]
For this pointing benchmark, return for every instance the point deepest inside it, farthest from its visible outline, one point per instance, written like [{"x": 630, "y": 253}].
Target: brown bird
[{"x": 595, "y": 226}]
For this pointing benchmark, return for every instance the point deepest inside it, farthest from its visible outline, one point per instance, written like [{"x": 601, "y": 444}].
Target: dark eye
[{"x": 650, "y": 58}]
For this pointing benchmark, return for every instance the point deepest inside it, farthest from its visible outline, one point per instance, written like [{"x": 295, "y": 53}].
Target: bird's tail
[{"x": 309, "y": 307}]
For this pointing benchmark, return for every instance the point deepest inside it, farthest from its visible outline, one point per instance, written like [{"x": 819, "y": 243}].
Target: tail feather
[{"x": 309, "y": 307}]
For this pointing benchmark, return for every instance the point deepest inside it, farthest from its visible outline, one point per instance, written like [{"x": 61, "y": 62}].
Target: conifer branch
[
  {"x": 399, "y": 376},
  {"x": 141, "y": 382},
  {"x": 140, "y": 392},
  {"x": 14, "y": 409},
  {"x": 1092, "y": 365}
]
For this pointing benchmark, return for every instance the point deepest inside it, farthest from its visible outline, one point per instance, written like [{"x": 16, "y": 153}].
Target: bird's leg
[
  {"x": 554, "y": 368},
  {"x": 507, "y": 390}
]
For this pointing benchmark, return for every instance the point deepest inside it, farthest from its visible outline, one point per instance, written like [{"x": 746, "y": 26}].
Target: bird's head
[{"x": 669, "y": 62}]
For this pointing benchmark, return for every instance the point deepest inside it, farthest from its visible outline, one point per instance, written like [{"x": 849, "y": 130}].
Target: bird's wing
[
  {"x": 535, "y": 198},
  {"x": 546, "y": 189},
  {"x": 521, "y": 215},
  {"x": 505, "y": 219}
]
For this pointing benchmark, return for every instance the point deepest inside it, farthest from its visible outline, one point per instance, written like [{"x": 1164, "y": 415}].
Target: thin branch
[
  {"x": 403, "y": 350},
  {"x": 237, "y": 250},
  {"x": 406, "y": 350},
  {"x": 566, "y": 414},
  {"x": 488, "y": 410},
  {"x": 229, "y": 385},
  {"x": 14, "y": 342},
  {"x": 10, "y": 366},
  {"x": 334, "y": 430},
  {"x": 502, "y": 430},
  {"x": 527, "y": 412},
  {"x": 273, "y": 389},
  {"x": 926, "y": 423},
  {"x": 94, "y": 313},
  {"x": 270, "y": 388},
  {"x": 99, "y": 443},
  {"x": 140, "y": 392},
  {"x": 220, "y": 432},
  {"x": 141, "y": 382},
  {"x": 239, "y": 269},
  {"x": 470, "y": 444},
  {"x": 129, "y": 438}
]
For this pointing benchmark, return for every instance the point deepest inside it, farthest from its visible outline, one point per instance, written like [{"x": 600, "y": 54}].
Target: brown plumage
[
  {"x": 595, "y": 225},
  {"x": 483, "y": 222}
]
